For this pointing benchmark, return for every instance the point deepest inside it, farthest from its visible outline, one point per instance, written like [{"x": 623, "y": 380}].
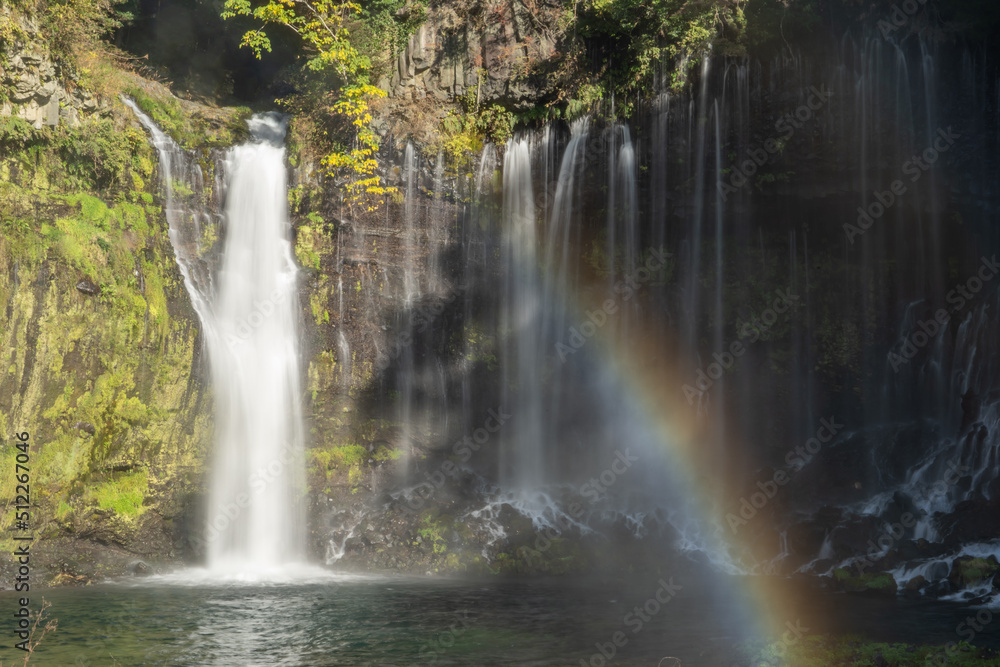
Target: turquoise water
[{"x": 400, "y": 621}]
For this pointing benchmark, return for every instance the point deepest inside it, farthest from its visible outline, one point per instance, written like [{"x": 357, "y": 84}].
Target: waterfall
[
  {"x": 255, "y": 363},
  {"x": 249, "y": 316},
  {"x": 521, "y": 319}
]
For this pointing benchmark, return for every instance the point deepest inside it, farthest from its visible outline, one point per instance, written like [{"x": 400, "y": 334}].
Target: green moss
[
  {"x": 106, "y": 378},
  {"x": 975, "y": 570},
  {"x": 339, "y": 458},
  {"x": 435, "y": 529},
  {"x": 192, "y": 131},
  {"x": 123, "y": 494},
  {"x": 461, "y": 140},
  {"x": 383, "y": 453},
  {"x": 64, "y": 510},
  {"x": 868, "y": 582},
  {"x": 307, "y": 248}
]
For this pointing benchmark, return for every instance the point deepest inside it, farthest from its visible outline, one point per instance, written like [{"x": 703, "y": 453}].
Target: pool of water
[{"x": 401, "y": 621}]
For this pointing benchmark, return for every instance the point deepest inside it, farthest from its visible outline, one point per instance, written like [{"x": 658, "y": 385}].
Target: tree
[{"x": 320, "y": 24}]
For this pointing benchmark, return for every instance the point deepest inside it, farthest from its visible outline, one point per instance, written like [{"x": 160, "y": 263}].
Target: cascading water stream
[
  {"x": 249, "y": 316},
  {"x": 521, "y": 318},
  {"x": 256, "y": 373}
]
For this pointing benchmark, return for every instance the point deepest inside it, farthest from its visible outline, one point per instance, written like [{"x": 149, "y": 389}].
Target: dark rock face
[
  {"x": 500, "y": 55},
  {"x": 971, "y": 521},
  {"x": 88, "y": 288}
]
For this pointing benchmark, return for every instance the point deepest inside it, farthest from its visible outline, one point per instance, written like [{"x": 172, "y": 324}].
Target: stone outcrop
[
  {"x": 502, "y": 54},
  {"x": 35, "y": 88}
]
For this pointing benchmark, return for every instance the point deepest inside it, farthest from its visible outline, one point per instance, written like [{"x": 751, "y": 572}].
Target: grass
[
  {"x": 339, "y": 458},
  {"x": 123, "y": 494},
  {"x": 975, "y": 570}
]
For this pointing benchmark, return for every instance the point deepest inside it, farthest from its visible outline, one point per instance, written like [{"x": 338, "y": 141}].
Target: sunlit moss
[{"x": 123, "y": 494}]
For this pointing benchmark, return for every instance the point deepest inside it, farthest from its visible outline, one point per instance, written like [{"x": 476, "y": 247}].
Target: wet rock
[
  {"x": 971, "y": 405},
  {"x": 936, "y": 589},
  {"x": 86, "y": 427},
  {"x": 970, "y": 571},
  {"x": 64, "y": 579},
  {"x": 869, "y": 583},
  {"x": 88, "y": 287},
  {"x": 921, "y": 549},
  {"x": 938, "y": 571},
  {"x": 971, "y": 521},
  {"x": 823, "y": 565},
  {"x": 139, "y": 569},
  {"x": 916, "y": 583}
]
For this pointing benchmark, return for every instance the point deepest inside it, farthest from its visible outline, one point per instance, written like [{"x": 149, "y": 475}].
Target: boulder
[
  {"x": 971, "y": 571},
  {"x": 88, "y": 287},
  {"x": 869, "y": 583}
]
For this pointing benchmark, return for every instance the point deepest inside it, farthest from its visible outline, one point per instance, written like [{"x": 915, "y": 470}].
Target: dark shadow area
[{"x": 188, "y": 43}]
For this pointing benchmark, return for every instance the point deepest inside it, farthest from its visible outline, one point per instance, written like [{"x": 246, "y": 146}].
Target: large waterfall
[
  {"x": 245, "y": 295},
  {"x": 701, "y": 290},
  {"x": 742, "y": 245},
  {"x": 255, "y": 366}
]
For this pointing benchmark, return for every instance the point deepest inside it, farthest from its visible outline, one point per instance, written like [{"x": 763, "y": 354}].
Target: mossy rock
[
  {"x": 871, "y": 583},
  {"x": 63, "y": 579},
  {"x": 969, "y": 571}
]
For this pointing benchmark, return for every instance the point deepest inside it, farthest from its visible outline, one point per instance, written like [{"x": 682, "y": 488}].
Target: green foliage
[
  {"x": 11, "y": 31},
  {"x": 16, "y": 134},
  {"x": 587, "y": 97},
  {"x": 773, "y": 24},
  {"x": 381, "y": 29},
  {"x": 190, "y": 130},
  {"x": 75, "y": 26},
  {"x": 123, "y": 493},
  {"x": 322, "y": 27},
  {"x": 492, "y": 122},
  {"x": 496, "y": 123},
  {"x": 307, "y": 240},
  {"x": 435, "y": 528},
  {"x": 383, "y": 453},
  {"x": 636, "y": 36}
]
